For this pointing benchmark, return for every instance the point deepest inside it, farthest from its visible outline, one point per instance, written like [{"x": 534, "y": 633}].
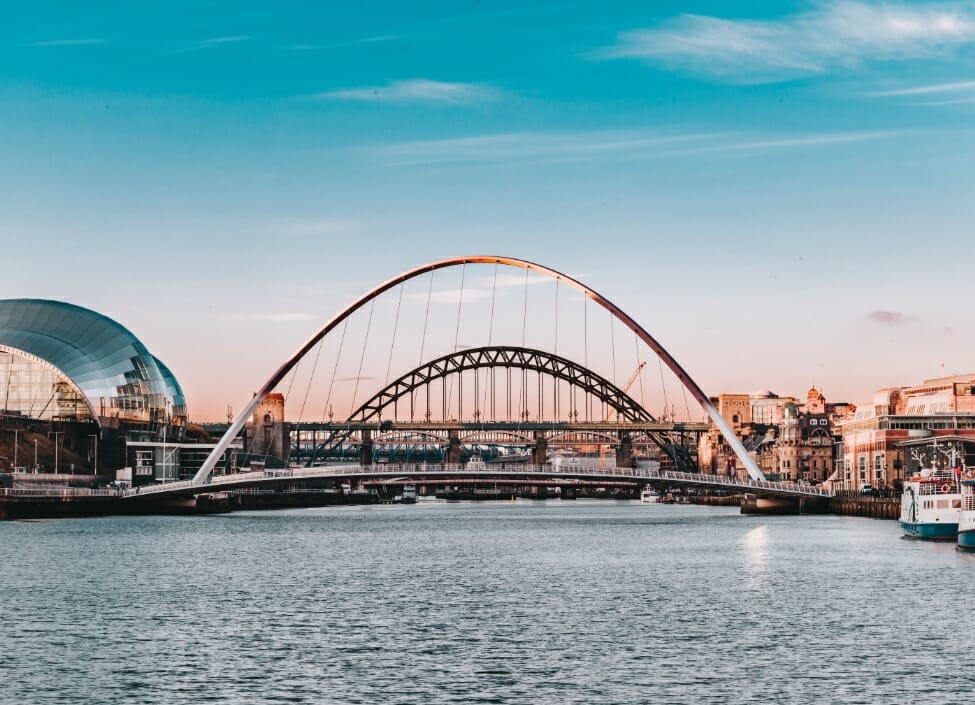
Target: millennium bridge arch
[{"x": 642, "y": 334}]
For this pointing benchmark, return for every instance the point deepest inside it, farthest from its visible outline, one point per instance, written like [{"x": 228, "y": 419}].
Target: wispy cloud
[
  {"x": 314, "y": 227},
  {"x": 889, "y": 318},
  {"x": 68, "y": 42},
  {"x": 417, "y": 90},
  {"x": 376, "y": 39},
  {"x": 273, "y": 317},
  {"x": 452, "y": 296},
  {"x": 931, "y": 88},
  {"x": 836, "y": 34},
  {"x": 816, "y": 140},
  {"x": 531, "y": 146},
  {"x": 308, "y": 46},
  {"x": 216, "y": 41},
  {"x": 953, "y": 93},
  {"x": 600, "y": 145}
]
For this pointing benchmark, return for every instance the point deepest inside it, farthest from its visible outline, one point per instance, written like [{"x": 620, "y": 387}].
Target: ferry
[
  {"x": 649, "y": 495},
  {"x": 931, "y": 504},
  {"x": 966, "y": 518}
]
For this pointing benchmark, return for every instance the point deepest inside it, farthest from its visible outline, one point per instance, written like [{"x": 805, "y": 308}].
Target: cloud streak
[
  {"x": 315, "y": 227},
  {"x": 217, "y": 41},
  {"x": 889, "y": 318},
  {"x": 837, "y": 34},
  {"x": 417, "y": 90},
  {"x": 68, "y": 42},
  {"x": 274, "y": 317},
  {"x": 600, "y": 145}
]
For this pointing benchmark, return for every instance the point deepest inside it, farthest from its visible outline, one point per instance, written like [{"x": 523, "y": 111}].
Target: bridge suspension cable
[{"x": 524, "y": 399}]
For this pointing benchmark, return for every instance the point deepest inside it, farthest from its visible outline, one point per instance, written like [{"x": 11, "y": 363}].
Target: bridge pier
[
  {"x": 365, "y": 450},
  {"x": 540, "y": 451},
  {"x": 453, "y": 447},
  {"x": 624, "y": 450},
  {"x": 753, "y": 504}
]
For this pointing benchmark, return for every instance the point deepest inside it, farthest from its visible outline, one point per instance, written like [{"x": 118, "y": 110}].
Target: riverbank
[{"x": 867, "y": 507}]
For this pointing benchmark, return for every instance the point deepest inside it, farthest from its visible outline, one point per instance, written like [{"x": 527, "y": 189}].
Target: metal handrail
[
  {"x": 58, "y": 492},
  {"x": 604, "y": 472}
]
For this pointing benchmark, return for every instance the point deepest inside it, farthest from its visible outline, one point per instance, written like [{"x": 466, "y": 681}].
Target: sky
[{"x": 782, "y": 193}]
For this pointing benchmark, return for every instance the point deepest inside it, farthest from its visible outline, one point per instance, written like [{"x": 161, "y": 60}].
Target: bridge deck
[{"x": 442, "y": 472}]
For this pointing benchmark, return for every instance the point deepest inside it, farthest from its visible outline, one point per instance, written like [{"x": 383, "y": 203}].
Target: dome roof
[{"x": 118, "y": 377}]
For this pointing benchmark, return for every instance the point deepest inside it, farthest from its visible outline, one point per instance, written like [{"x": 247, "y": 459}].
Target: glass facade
[{"x": 63, "y": 362}]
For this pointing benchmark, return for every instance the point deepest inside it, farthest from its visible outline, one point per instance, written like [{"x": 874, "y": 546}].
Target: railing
[
  {"x": 495, "y": 469},
  {"x": 58, "y": 492}
]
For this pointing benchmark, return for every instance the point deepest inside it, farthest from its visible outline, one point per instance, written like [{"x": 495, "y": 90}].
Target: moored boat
[
  {"x": 649, "y": 495},
  {"x": 931, "y": 504},
  {"x": 966, "y": 517}
]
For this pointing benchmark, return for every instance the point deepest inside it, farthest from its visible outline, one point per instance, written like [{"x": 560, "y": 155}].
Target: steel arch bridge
[
  {"x": 491, "y": 358},
  {"x": 501, "y": 357},
  {"x": 203, "y": 475}
]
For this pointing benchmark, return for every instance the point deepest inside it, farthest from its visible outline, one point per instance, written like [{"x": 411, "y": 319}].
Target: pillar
[
  {"x": 540, "y": 451},
  {"x": 624, "y": 450},
  {"x": 365, "y": 449},
  {"x": 453, "y": 447}
]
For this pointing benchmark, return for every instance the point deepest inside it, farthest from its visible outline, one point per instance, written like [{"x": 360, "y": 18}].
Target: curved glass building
[{"x": 61, "y": 362}]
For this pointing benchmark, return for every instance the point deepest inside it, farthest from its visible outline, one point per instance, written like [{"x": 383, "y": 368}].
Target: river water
[{"x": 525, "y": 602}]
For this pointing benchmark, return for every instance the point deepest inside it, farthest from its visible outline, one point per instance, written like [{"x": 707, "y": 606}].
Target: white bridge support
[{"x": 746, "y": 460}]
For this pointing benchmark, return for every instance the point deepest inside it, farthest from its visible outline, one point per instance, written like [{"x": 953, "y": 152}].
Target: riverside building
[
  {"x": 902, "y": 430},
  {"x": 87, "y": 378}
]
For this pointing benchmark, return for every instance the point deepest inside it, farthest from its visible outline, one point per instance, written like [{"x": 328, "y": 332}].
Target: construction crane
[
  {"x": 626, "y": 387},
  {"x": 612, "y": 413}
]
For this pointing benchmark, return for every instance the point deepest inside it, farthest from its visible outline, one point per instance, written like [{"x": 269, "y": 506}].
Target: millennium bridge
[{"x": 469, "y": 356}]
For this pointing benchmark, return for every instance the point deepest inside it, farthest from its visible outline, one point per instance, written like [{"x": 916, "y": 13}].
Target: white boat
[
  {"x": 649, "y": 495},
  {"x": 966, "y": 517},
  {"x": 476, "y": 463},
  {"x": 409, "y": 494},
  {"x": 931, "y": 504}
]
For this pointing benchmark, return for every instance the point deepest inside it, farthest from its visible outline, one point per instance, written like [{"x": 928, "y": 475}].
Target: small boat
[
  {"x": 409, "y": 494},
  {"x": 966, "y": 517},
  {"x": 667, "y": 499},
  {"x": 649, "y": 495},
  {"x": 931, "y": 504}
]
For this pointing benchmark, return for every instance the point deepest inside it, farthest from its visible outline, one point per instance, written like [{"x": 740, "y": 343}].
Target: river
[{"x": 524, "y": 602}]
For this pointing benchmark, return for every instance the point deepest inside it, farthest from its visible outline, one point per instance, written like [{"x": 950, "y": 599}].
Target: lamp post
[
  {"x": 56, "y": 434},
  {"x": 95, "y": 463},
  {"x": 35, "y": 454},
  {"x": 15, "y": 449}
]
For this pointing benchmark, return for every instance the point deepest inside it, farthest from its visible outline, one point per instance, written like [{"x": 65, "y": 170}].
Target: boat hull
[
  {"x": 931, "y": 532},
  {"x": 966, "y": 540}
]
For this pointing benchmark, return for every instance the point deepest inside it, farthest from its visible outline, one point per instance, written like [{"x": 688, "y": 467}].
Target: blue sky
[{"x": 781, "y": 192}]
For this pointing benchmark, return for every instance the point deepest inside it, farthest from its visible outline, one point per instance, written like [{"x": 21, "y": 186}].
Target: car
[{"x": 867, "y": 489}]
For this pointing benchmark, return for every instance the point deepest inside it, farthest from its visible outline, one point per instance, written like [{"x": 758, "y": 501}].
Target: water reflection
[{"x": 755, "y": 553}]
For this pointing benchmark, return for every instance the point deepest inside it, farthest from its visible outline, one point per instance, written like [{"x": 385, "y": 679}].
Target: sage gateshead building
[{"x": 64, "y": 364}]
